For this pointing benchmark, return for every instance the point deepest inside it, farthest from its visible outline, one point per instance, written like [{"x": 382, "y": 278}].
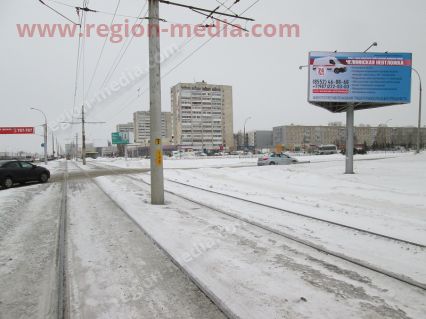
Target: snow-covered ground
[
  {"x": 231, "y": 161},
  {"x": 386, "y": 196},
  {"x": 257, "y": 274},
  {"x": 248, "y": 271},
  {"x": 253, "y": 273}
]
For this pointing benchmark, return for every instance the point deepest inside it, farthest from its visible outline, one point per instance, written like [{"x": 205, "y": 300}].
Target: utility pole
[
  {"x": 157, "y": 178},
  {"x": 53, "y": 146},
  {"x": 45, "y": 143},
  {"x": 83, "y": 137},
  {"x": 244, "y": 136},
  {"x": 76, "y": 146},
  {"x": 44, "y": 135},
  {"x": 83, "y": 134}
]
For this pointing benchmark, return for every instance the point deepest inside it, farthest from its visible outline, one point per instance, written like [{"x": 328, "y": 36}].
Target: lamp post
[
  {"x": 386, "y": 134},
  {"x": 419, "y": 127},
  {"x": 45, "y": 133},
  {"x": 244, "y": 136}
]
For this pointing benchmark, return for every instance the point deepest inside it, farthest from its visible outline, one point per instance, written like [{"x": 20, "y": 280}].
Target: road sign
[
  {"x": 120, "y": 138},
  {"x": 363, "y": 80},
  {"x": 16, "y": 130}
]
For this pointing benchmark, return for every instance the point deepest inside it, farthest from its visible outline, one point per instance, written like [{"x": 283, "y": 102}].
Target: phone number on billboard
[{"x": 330, "y": 84}]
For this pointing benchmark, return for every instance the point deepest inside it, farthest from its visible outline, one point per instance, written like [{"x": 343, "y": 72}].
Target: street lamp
[
  {"x": 386, "y": 134},
  {"x": 45, "y": 133},
  {"x": 244, "y": 136},
  {"x": 374, "y": 44},
  {"x": 420, "y": 110}
]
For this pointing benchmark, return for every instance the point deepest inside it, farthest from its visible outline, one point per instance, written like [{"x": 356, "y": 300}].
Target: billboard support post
[{"x": 350, "y": 140}]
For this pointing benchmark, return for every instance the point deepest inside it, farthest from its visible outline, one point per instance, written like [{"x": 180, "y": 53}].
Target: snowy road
[
  {"x": 128, "y": 259},
  {"x": 116, "y": 271},
  {"x": 29, "y": 219}
]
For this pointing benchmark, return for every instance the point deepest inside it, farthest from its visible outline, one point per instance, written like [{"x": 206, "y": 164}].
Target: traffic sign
[
  {"x": 16, "y": 130},
  {"x": 120, "y": 138}
]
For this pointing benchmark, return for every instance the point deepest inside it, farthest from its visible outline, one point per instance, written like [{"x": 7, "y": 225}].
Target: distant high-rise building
[
  {"x": 142, "y": 127},
  {"x": 125, "y": 128},
  {"x": 202, "y": 115}
]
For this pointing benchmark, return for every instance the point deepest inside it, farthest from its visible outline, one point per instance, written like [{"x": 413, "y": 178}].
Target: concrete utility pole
[
  {"x": 44, "y": 135},
  {"x": 349, "y": 140},
  {"x": 53, "y": 146},
  {"x": 76, "y": 146},
  {"x": 244, "y": 136},
  {"x": 419, "y": 126},
  {"x": 83, "y": 137},
  {"x": 157, "y": 178}
]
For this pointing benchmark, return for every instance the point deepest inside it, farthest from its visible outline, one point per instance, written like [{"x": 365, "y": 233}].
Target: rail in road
[
  {"x": 222, "y": 310},
  {"x": 63, "y": 297},
  {"x": 365, "y": 265},
  {"x": 399, "y": 240}
]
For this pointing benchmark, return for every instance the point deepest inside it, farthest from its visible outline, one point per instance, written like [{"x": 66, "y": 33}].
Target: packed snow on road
[{"x": 233, "y": 240}]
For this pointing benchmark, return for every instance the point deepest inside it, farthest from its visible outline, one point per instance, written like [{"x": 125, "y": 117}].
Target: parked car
[
  {"x": 276, "y": 159},
  {"x": 12, "y": 172}
]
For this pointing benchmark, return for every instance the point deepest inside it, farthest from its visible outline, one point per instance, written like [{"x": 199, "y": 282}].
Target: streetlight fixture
[
  {"x": 45, "y": 133},
  {"x": 419, "y": 127},
  {"x": 244, "y": 136},
  {"x": 374, "y": 44}
]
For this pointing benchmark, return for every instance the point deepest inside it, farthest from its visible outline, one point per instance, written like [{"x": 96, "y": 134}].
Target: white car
[{"x": 276, "y": 159}]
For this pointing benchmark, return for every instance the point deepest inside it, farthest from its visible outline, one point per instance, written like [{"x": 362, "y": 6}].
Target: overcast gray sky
[{"x": 267, "y": 83}]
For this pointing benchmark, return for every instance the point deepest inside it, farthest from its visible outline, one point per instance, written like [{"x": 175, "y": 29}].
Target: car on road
[
  {"x": 326, "y": 149},
  {"x": 13, "y": 171},
  {"x": 276, "y": 159}
]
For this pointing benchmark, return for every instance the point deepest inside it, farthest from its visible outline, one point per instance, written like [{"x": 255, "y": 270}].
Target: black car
[{"x": 12, "y": 171}]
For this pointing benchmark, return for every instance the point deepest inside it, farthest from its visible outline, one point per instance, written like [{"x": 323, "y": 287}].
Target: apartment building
[
  {"x": 259, "y": 139},
  {"x": 202, "y": 115},
  {"x": 295, "y": 136},
  {"x": 142, "y": 127},
  {"x": 125, "y": 128}
]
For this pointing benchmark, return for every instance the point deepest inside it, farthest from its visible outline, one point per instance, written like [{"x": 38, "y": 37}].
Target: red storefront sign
[{"x": 16, "y": 130}]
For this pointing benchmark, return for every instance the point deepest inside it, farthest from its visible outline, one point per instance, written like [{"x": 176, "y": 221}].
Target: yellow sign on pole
[{"x": 159, "y": 157}]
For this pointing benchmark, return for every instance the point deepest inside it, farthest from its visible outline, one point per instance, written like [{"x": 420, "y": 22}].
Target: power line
[
  {"x": 185, "y": 59},
  {"x": 102, "y": 51},
  {"x": 94, "y": 11},
  {"x": 206, "y": 10},
  {"x": 121, "y": 53},
  {"x": 57, "y": 12}
]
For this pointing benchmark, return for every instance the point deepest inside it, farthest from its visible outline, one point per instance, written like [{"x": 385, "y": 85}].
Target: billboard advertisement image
[
  {"x": 366, "y": 80},
  {"x": 17, "y": 130}
]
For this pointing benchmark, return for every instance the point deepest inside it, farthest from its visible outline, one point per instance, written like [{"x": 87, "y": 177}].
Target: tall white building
[
  {"x": 125, "y": 128},
  {"x": 202, "y": 115},
  {"x": 142, "y": 127}
]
